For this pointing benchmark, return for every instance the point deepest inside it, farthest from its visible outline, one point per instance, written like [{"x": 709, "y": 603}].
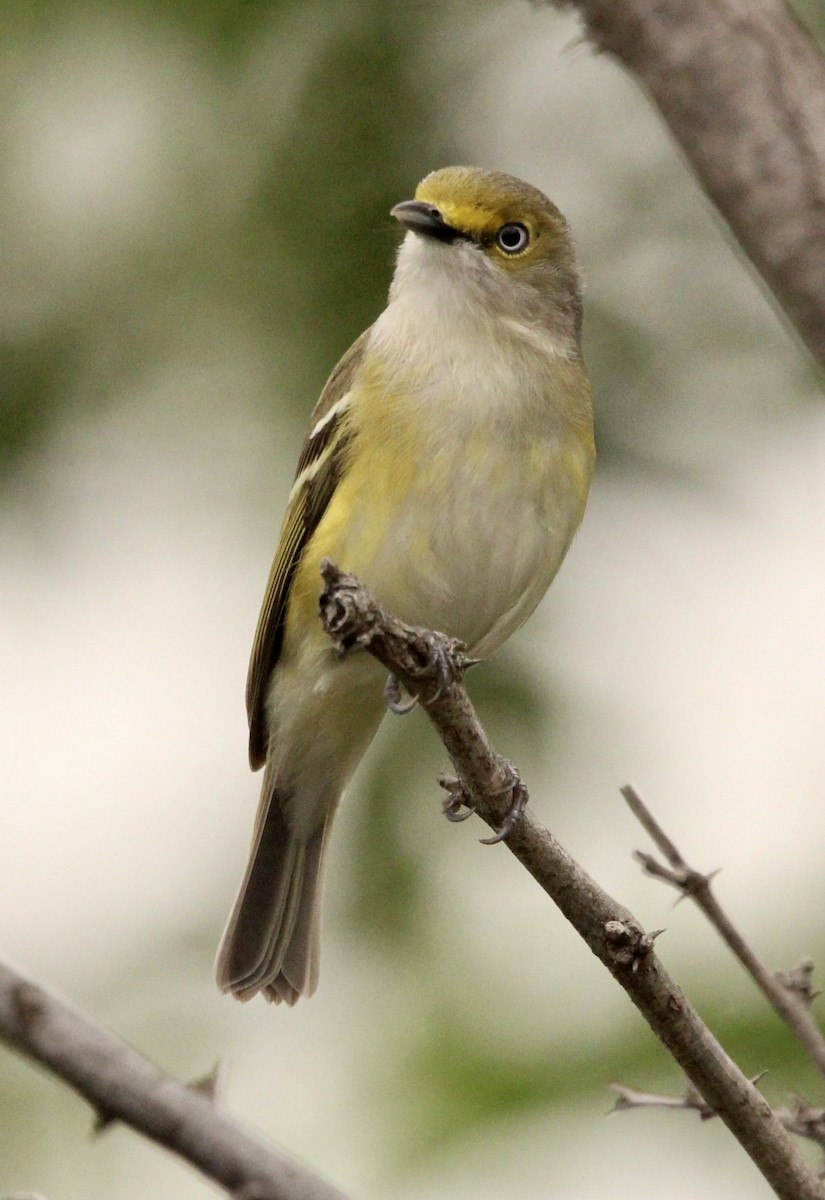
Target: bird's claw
[
  {"x": 458, "y": 806},
  {"x": 392, "y": 695},
  {"x": 519, "y": 795},
  {"x": 441, "y": 662},
  {"x": 444, "y": 660}
]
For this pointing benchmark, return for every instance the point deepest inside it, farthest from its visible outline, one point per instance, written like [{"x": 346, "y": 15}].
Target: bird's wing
[{"x": 319, "y": 469}]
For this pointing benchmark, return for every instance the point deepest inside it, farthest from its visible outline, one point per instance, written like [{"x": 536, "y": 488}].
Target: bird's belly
[{"x": 472, "y": 550}]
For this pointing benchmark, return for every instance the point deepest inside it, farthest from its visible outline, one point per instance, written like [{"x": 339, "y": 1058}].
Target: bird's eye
[{"x": 513, "y": 238}]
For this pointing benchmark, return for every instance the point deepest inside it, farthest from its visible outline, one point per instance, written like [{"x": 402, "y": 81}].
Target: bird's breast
[{"x": 469, "y": 480}]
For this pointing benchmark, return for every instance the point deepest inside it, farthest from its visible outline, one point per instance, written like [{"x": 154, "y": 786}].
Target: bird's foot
[
  {"x": 438, "y": 660},
  {"x": 445, "y": 661},
  {"x": 519, "y": 797},
  {"x": 392, "y": 695},
  {"x": 459, "y": 804}
]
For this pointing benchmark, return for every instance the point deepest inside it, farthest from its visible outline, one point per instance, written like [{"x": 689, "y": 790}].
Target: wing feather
[{"x": 319, "y": 469}]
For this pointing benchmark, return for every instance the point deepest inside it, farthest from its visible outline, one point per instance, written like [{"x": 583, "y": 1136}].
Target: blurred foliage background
[{"x": 193, "y": 226}]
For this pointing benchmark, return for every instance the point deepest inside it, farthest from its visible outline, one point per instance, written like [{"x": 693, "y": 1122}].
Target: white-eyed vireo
[{"x": 447, "y": 466}]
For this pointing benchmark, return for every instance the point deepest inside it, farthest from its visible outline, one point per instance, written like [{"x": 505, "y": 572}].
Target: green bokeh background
[{"x": 194, "y": 226}]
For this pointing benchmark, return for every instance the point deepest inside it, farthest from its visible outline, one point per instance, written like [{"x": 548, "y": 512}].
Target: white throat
[{"x": 453, "y": 309}]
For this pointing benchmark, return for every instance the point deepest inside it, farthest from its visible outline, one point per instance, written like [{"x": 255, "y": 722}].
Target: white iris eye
[{"x": 513, "y": 238}]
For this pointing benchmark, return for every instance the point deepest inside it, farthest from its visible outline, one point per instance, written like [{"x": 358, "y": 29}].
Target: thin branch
[
  {"x": 627, "y": 1098},
  {"x": 789, "y": 994},
  {"x": 429, "y": 666},
  {"x": 121, "y": 1085},
  {"x": 741, "y": 84},
  {"x": 803, "y": 1119}
]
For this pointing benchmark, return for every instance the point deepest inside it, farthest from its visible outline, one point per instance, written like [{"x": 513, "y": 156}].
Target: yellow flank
[
  {"x": 577, "y": 464},
  {"x": 356, "y": 524}
]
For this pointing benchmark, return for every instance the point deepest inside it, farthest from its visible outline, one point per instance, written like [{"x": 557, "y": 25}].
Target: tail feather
[
  {"x": 298, "y": 975},
  {"x": 271, "y": 940},
  {"x": 316, "y": 738}
]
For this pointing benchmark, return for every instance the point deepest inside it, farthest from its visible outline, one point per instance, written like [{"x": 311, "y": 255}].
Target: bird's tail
[{"x": 271, "y": 942}]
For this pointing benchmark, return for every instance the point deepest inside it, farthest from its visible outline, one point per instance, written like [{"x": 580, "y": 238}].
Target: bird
[{"x": 447, "y": 465}]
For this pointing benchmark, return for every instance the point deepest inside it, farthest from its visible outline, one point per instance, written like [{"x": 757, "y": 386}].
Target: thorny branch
[
  {"x": 429, "y": 666},
  {"x": 803, "y": 1119},
  {"x": 627, "y": 1098},
  {"x": 121, "y": 1085},
  {"x": 789, "y": 993}
]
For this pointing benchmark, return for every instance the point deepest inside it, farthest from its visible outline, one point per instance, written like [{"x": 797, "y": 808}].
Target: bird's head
[{"x": 509, "y": 225}]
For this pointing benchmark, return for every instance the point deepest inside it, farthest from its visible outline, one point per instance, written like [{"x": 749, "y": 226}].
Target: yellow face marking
[{"x": 480, "y": 203}]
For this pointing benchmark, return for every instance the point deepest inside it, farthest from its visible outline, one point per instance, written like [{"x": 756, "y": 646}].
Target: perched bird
[{"x": 447, "y": 466}]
